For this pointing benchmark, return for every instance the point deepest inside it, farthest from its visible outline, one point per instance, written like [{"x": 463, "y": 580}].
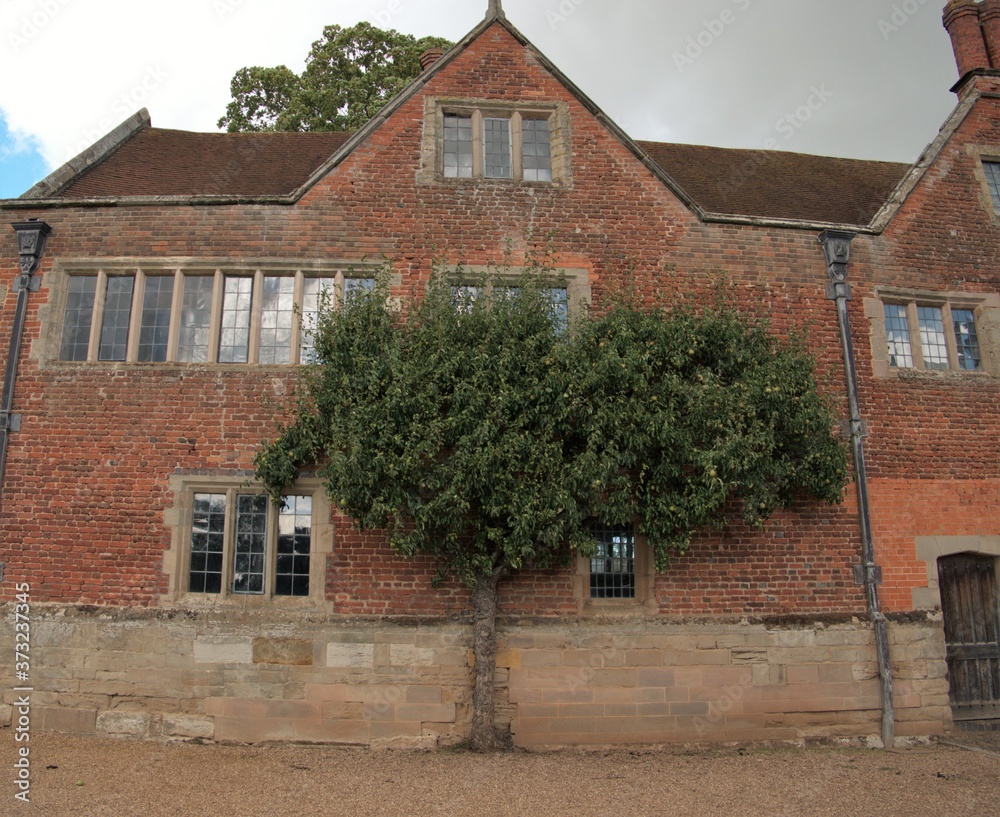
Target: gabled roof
[
  {"x": 753, "y": 183},
  {"x": 140, "y": 163},
  {"x": 772, "y": 184},
  {"x": 161, "y": 162}
]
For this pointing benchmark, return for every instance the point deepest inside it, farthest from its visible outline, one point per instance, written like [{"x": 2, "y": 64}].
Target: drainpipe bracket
[
  {"x": 838, "y": 289},
  {"x": 867, "y": 574},
  {"x": 29, "y": 282},
  {"x": 854, "y": 428},
  {"x": 10, "y": 422}
]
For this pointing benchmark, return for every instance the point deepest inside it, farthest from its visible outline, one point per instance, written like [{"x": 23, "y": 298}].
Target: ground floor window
[
  {"x": 234, "y": 541},
  {"x": 612, "y": 566}
]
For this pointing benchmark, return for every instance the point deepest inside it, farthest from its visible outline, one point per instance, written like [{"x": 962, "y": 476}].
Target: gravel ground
[{"x": 94, "y": 777}]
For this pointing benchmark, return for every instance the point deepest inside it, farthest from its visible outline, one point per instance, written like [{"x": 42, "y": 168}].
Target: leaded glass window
[
  {"x": 117, "y": 316},
  {"x": 897, "y": 332},
  {"x": 154, "y": 329},
  {"x": 79, "y": 315},
  {"x": 612, "y": 566}
]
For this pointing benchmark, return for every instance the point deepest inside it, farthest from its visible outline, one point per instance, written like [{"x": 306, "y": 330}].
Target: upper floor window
[
  {"x": 496, "y": 147},
  {"x": 933, "y": 331},
  {"x": 198, "y": 316},
  {"x": 465, "y": 293},
  {"x": 480, "y": 139},
  {"x": 936, "y": 328},
  {"x": 993, "y": 182}
]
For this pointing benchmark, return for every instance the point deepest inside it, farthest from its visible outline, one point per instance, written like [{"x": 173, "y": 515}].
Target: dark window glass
[
  {"x": 535, "y": 150},
  {"x": 207, "y": 535},
  {"x": 294, "y": 546},
  {"x": 966, "y": 339},
  {"x": 612, "y": 567},
  {"x": 251, "y": 543},
  {"x": 79, "y": 315},
  {"x": 497, "y": 148},
  {"x": 154, "y": 330},
  {"x": 993, "y": 181},
  {"x": 117, "y": 315}
]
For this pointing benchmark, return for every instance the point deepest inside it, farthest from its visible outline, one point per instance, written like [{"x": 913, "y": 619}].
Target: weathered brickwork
[{"x": 379, "y": 655}]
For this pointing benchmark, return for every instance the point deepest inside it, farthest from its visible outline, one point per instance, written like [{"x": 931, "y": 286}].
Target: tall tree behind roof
[{"x": 350, "y": 74}]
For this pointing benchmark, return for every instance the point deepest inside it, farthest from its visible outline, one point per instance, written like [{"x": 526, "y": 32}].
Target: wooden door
[{"x": 972, "y": 630}]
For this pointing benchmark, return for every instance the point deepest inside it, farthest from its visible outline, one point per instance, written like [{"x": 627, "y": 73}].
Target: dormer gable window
[{"x": 495, "y": 140}]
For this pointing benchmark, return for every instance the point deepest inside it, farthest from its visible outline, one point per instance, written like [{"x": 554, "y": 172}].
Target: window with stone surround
[
  {"x": 933, "y": 332},
  {"x": 617, "y": 578},
  {"x": 494, "y": 139},
  {"x": 156, "y": 314},
  {"x": 234, "y": 542},
  {"x": 612, "y": 565},
  {"x": 992, "y": 171},
  {"x": 570, "y": 294}
]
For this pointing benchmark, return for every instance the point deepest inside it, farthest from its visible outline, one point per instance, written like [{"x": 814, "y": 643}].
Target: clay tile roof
[
  {"x": 750, "y": 183},
  {"x": 161, "y": 162},
  {"x": 779, "y": 185}
]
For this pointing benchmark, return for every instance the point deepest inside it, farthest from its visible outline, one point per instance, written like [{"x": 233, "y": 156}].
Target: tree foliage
[
  {"x": 350, "y": 74},
  {"x": 486, "y": 434}
]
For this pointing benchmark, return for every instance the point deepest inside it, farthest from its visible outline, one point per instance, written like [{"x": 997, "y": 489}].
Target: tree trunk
[{"x": 485, "y": 737}]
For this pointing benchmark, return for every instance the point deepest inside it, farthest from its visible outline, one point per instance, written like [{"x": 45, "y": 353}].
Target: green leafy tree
[
  {"x": 485, "y": 434},
  {"x": 350, "y": 74}
]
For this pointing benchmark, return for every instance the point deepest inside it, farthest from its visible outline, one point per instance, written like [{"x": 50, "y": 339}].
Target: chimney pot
[
  {"x": 961, "y": 18},
  {"x": 429, "y": 57}
]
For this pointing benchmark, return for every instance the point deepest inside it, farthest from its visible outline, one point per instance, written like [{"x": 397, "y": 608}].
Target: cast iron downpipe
[
  {"x": 837, "y": 247},
  {"x": 31, "y": 237}
]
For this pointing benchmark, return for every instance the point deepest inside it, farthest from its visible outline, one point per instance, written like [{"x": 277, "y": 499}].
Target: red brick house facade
[{"x": 157, "y": 329}]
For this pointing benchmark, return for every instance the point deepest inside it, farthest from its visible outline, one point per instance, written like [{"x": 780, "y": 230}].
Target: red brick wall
[
  {"x": 87, "y": 481},
  {"x": 934, "y": 448}
]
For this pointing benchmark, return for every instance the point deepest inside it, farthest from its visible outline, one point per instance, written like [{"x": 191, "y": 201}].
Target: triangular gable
[
  {"x": 927, "y": 159},
  {"x": 496, "y": 16}
]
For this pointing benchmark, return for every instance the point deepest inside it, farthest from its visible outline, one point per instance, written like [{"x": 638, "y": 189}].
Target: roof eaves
[
  {"x": 63, "y": 177},
  {"x": 141, "y": 201},
  {"x": 783, "y": 223},
  {"x": 908, "y": 183}
]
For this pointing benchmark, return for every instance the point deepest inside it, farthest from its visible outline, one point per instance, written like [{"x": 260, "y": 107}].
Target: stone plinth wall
[{"x": 227, "y": 676}]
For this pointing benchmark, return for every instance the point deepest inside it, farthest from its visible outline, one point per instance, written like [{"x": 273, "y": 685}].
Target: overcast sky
[{"x": 859, "y": 78}]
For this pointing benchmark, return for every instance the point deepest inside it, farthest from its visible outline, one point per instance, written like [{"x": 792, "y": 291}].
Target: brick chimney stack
[
  {"x": 975, "y": 36},
  {"x": 961, "y": 18},
  {"x": 432, "y": 55}
]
